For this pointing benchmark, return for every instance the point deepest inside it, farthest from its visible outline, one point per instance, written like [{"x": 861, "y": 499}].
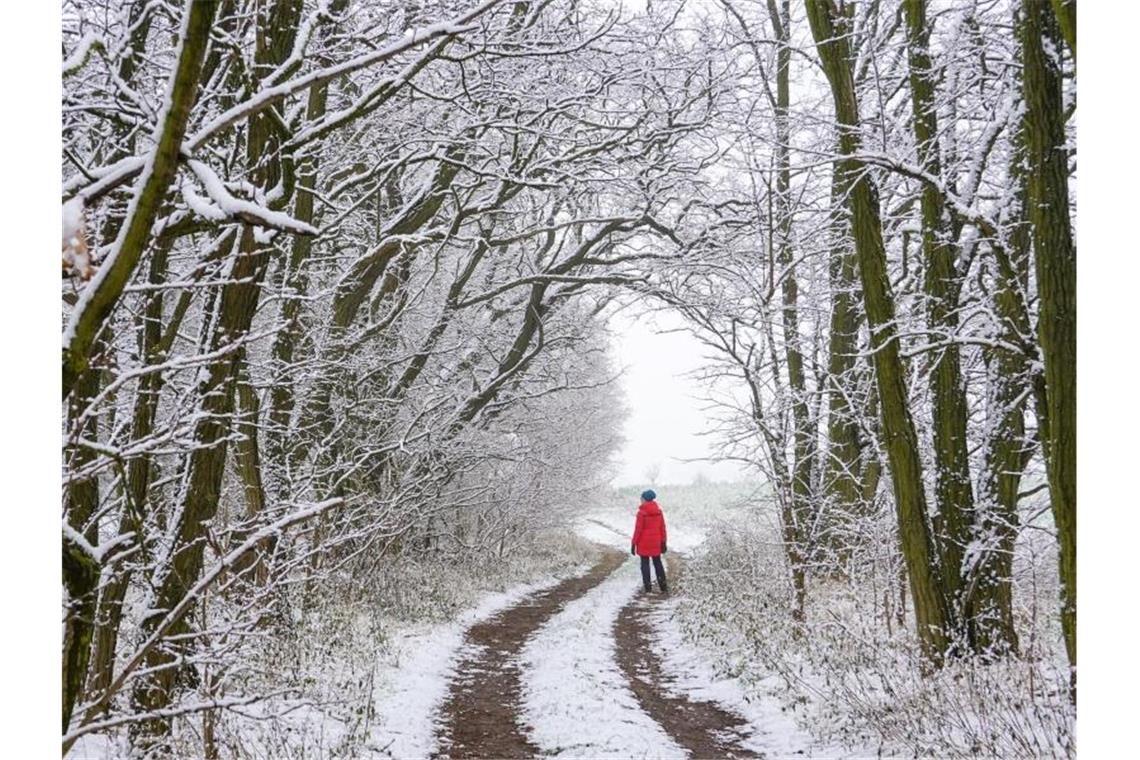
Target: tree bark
[
  {"x": 80, "y": 570},
  {"x": 1007, "y": 452},
  {"x": 843, "y": 471},
  {"x": 803, "y": 437},
  {"x": 296, "y": 281},
  {"x": 236, "y": 307},
  {"x": 80, "y": 578}
]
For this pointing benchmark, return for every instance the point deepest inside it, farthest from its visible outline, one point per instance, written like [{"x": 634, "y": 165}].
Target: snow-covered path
[
  {"x": 577, "y": 702},
  {"x": 480, "y": 717}
]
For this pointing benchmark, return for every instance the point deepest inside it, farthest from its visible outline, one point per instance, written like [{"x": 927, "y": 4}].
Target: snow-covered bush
[{"x": 855, "y": 675}]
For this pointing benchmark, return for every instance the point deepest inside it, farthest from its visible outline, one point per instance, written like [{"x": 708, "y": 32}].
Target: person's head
[{"x": 648, "y": 495}]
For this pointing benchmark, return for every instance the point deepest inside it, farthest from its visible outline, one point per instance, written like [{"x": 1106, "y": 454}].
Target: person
[{"x": 649, "y": 540}]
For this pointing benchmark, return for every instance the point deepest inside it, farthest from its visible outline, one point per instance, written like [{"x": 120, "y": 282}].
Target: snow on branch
[
  {"x": 271, "y": 95},
  {"x": 614, "y": 279},
  {"x": 226, "y": 206},
  {"x": 172, "y": 712},
  {"x": 956, "y": 205},
  {"x": 90, "y": 43},
  {"x": 123, "y": 170},
  {"x": 98, "y": 553}
]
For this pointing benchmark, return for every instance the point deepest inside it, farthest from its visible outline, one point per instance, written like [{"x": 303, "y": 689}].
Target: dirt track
[
  {"x": 705, "y": 729},
  {"x": 480, "y": 715}
]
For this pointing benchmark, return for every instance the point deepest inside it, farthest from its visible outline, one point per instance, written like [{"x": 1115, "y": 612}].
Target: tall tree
[
  {"x": 276, "y": 26},
  {"x": 100, "y": 296},
  {"x": 803, "y": 435},
  {"x": 1055, "y": 254},
  {"x": 831, "y": 30},
  {"x": 942, "y": 282},
  {"x": 843, "y": 468}
]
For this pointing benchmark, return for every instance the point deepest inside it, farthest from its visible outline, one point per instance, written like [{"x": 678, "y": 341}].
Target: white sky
[{"x": 666, "y": 414}]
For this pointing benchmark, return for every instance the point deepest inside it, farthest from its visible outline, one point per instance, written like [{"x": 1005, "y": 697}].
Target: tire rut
[
  {"x": 704, "y": 728},
  {"x": 480, "y": 715}
]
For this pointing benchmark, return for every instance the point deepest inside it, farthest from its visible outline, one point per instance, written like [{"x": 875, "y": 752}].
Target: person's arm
[
  {"x": 663, "y": 534},
  {"x": 637, "y": 525}
]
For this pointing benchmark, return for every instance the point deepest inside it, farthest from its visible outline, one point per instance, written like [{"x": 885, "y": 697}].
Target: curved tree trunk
[
  {"x": 101, "y": 295},
  {"x": 236, "y": 307}
]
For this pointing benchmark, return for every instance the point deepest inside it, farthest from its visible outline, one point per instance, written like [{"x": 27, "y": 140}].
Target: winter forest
[{"x": 340, "y": 405}]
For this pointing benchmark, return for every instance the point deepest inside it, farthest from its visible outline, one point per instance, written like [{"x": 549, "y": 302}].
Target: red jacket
[{"x": 649, "y": 530}]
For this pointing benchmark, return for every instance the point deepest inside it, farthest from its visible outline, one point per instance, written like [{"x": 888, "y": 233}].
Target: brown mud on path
[
  {"x": 479, "y": 718},
  {"x": 705, "y": 729}
]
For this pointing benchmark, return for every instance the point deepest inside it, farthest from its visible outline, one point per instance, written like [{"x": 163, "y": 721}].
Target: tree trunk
[
  {"x": 236, "y": 307},
  {"x": 798, "y": 518},
  {"x": 247, "y": 457},
  {"x": 80, "y": 570},
  {"x": 281, "y": 394},
  {"x": 952, "y": 478},
  {"x": 1056, "y": 265},
  {"x": 901, "y": 441},
  {"x": 80, "y": 578},
  {"x": 101, "y": 295},
  {"x": 844, "y": 468},
  {"x": 990, "y": 602}
]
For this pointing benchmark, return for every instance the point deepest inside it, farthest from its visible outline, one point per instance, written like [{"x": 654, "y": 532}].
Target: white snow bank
[
  {"x": 576, "y": 702},
  {"x": 601, "y": 531}
]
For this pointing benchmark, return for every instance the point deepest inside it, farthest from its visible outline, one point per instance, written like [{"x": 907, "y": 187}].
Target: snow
[
  {"x": 201, "y": 206},
  {"x": 72, "y": 219},
  {"x": 97, "y": 553},
  {"x": 107, "y": 177},
  {"x": 573, "y": 691},
  {"x": 99, "y": 747},
  {"x": 576, "y": 702},
  {"x": 81, "y": 53},
  {"x": 228, "y": 205},
  {"x": 270, "y": 95},
  {"x": 414, "y": 685}
]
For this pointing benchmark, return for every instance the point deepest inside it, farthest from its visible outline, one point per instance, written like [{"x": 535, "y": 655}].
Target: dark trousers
[{"x": 659, "y": 567}]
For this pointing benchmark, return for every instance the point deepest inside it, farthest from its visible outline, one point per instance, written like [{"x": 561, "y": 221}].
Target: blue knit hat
[{"x": 648, "y": 495}]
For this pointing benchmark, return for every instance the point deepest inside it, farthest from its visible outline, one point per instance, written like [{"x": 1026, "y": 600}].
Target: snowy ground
[
  {"x": 773, "y": 732},
  {"x": 576, "y": 702}
]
